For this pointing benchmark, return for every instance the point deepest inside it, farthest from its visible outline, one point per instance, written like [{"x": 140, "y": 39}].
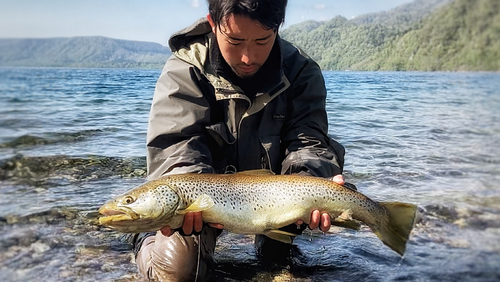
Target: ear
[{"x": 211, "y": 22}]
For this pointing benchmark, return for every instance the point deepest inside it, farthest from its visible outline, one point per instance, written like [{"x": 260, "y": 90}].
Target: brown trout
[{"x": 255, "y": 202}]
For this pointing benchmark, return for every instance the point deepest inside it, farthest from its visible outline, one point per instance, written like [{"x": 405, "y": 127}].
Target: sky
[{"x": 147, "y": 20}]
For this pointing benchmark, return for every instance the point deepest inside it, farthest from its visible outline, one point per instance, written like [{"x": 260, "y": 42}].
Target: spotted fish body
[{"x": 255, "y": 202}]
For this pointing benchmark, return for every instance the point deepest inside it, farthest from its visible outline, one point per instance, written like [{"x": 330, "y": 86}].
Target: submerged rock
[{"x": 39, "y": 170}]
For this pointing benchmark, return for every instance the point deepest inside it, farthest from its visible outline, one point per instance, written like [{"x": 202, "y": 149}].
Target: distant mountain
[
  {"x": 421, "y": 35},
  {"x": 404, "y": 16},
  {"x": 464, "y": 35},
  {"x": 91, "y": 52}
]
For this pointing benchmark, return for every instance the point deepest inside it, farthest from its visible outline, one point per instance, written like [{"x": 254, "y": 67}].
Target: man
[{"x": 233, "y": 97}]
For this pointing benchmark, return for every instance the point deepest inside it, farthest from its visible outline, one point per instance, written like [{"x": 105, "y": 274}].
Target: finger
[
  {"x": 166, "y": 231},
  {"x": 339, "y": 179},
  {"x": 187, "y": 226},
  {"x": 325, "y": 222},
  {"x": 315, "y": 217},
  {"x": 216, "y": 225},
  {"x": 197, "y": 221},
  {"x": 299, "y": 222}
]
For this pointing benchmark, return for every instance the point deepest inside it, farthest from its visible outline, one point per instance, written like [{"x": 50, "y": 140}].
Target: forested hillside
[
  {"x": 88, "y": 52},
  {"x": 422, "y": 35},
  {"x": 464, "y": 35}
]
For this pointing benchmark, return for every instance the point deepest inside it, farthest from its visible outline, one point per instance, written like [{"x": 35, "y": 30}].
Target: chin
[{"x": 245, "y": 75}]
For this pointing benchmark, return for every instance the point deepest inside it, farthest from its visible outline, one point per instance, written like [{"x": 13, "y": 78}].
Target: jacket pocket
[
  {"x": 271, "y": 153},
  {"x": 219, "y": 143}
]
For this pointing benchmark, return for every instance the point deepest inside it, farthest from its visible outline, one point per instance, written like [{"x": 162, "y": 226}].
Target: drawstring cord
[{"x": 199, "y": 258}]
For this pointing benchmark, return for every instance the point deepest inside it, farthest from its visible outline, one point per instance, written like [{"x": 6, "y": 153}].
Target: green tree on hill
[{"x": 424, "y": 35}]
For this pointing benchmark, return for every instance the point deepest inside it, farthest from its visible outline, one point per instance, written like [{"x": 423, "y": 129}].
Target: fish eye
[{"x": 128, "y": 200}]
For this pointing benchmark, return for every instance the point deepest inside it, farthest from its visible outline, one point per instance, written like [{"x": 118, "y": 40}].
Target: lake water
[{"x": 70, "y": 139}]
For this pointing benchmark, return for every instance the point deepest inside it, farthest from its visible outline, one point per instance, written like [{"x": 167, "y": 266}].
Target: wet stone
[
  {"x": 39, "y": 247},
  {"x": 444, "y": 212},
  {"x": 49, "y": 169}
]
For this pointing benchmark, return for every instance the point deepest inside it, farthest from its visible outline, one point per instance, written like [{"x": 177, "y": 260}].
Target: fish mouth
[
  {"x": 109, "y": 212},
  {"x": 113, "y": 216}
]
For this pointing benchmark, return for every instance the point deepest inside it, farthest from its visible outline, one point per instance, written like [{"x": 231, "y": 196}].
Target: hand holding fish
[
  {"x": 323, "y": 220},
  {"x": 193, "y": 222}
]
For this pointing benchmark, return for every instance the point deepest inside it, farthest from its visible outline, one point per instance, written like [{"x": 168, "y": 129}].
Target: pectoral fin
[
  {"x": 204, "y": 202},
  {"x": 279, "y": 235}
]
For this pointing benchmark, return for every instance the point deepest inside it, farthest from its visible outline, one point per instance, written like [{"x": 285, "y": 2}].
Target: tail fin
[{"x": 395, "y": 230}]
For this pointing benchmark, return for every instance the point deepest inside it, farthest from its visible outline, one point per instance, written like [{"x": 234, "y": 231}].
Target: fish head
[{"x": 146, "y": 208}]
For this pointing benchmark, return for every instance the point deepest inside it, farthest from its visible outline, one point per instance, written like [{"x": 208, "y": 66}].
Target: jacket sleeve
[
  {"x": 308, "y": 148},
  {"x": 176, "y": 139}
]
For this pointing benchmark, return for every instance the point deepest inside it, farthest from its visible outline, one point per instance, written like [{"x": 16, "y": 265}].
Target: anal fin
[{"x": 345, "y": 220}]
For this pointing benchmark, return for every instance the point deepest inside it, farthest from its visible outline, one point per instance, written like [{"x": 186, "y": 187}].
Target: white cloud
[
  {"x": 195, "y": 3},
  {"x": 320, "y": 6}
]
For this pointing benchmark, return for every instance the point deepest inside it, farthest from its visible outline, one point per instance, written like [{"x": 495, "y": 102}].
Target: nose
[{"x": 248, "y": 56}]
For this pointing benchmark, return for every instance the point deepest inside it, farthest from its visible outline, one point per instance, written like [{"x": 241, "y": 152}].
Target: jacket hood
[{"x": 183, "y": 37}]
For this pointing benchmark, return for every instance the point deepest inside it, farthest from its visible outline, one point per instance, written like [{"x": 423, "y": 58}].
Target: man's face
[{"x": 244, "y": 43}]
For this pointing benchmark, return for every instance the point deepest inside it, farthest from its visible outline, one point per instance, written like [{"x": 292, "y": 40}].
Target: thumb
[
  {"x": 339, "y": 179},
  {"x": 166, "y": 231}
]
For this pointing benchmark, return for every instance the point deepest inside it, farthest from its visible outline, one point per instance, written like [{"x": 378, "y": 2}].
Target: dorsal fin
[{"x": 256, "y": 172}]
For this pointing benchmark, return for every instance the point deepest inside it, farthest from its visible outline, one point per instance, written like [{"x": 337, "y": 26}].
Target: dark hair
[{"x": 269, "y": 13}]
